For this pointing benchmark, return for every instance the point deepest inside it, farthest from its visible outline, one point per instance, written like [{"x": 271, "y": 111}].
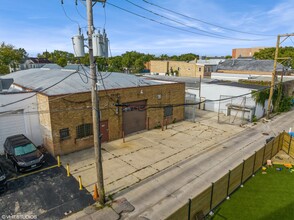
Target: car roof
[{"x": 19, "y": 139}]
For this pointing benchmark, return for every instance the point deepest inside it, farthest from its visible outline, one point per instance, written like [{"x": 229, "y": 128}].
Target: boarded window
[
  {"x": 64, "y": 133},
  {"x": 84, "y": 130},
  {"x": 168, "y": 111}
]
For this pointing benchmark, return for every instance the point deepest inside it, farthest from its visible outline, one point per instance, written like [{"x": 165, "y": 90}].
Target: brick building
[
  {"x": 245, "y": 52},
  {"x": 180, "y": 68},
  {"x": 127, "y": 103}
]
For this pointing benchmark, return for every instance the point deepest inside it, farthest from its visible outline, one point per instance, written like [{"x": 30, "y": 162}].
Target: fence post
[
  {"x": 189, "y": 209},
  {"x": 253, "y": 168},
  {"x": 263, "y": 155},
  {"x": 290, "y": 145},
  {"x": 162, "y": 124},
  {"x": 228, "y": 186},
  {"x": 282, "y": 139},
  {"x": 272, "y": 148},
  {"x": 148, "y": 123},
  {"x": 279, "y": 142},
  {"x": 211, "y": 198},
  {"x": 123, "y": 134},
  {"x": 242, "y": 173}
]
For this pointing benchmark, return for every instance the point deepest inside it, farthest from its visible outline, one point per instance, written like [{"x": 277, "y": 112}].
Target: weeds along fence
[{"x": 218, "y": 191}]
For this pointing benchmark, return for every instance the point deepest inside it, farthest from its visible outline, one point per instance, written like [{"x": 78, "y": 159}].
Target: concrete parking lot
[
  {"x": 46, "y": 193},
  {"x": 147, "y": 153}
]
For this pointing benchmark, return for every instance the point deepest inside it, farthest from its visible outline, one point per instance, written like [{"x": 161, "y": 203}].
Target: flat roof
[{"x": 66, "y": 81}]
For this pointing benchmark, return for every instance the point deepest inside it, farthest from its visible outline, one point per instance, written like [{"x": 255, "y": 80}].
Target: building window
[
  {"x": 168, "y": 111},
  {"x": 84, "y": 130},
  {"x": 199, "y": 69},
  {"x": 64, "y": 133}
]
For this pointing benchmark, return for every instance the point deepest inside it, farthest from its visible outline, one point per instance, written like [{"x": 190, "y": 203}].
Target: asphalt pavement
[{"x": 46, "y": 193}]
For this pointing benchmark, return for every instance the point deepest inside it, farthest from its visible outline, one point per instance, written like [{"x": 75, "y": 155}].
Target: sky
[{"x": 40, "y": 25}]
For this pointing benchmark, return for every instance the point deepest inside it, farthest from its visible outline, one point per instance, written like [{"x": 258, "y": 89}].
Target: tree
[
  {"x": 62, "y": 61},
  {"x": 269, "y": 54},
  {"x": 9, "y": 55}
]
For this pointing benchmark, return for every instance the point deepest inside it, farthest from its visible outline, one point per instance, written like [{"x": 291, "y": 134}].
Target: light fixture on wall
[
  {"x": 141, "y": 92},
  {"x": 159, "y": 96}
]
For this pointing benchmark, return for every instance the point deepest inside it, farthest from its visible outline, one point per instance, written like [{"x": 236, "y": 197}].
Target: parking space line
[{"x": 31, "y": 173}]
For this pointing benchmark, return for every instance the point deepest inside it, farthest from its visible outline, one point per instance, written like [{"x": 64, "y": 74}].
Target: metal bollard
[
  {"x": 80, "y": 183},
  {"x": 67, "y": 169},
  {"x": 58, "y": 161}
]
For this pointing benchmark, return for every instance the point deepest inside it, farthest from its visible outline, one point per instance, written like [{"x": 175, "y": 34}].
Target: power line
[
  {"x": 69, "y": 18},
  {"x": 205, "y": 22},
  {"x": 181, "y": 23},
  {"x": 174, "y": 27}
]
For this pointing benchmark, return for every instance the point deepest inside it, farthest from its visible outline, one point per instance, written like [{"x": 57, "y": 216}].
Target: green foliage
[
  {"x": 285, "y": 104},
  {"x": 9, "y": 55},
  {"x": 254, "y": 118},
  {"x": 254, "y": 82},
  {"x": 269, "y": 54},
  {"x": 182, "y": 57},
  {"x": 228, "y": 57}
]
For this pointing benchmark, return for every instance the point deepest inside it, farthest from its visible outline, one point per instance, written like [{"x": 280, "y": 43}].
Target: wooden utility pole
[
  {"x": 273, "y": 79},
  {"x": 200, "y": 92},
  {"x": 95, "y": 107},
  {"x": 274, "y": 72}
]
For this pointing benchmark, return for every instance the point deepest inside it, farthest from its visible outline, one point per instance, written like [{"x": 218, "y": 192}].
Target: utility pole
[
  {"x": 95, "y": 106},
  {"x": 274, "y": 72},
  {"x": 200, "y": 92}
]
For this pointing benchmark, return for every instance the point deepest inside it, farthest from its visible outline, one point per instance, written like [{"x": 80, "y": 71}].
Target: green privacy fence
[{"x": 218, "y": 191}]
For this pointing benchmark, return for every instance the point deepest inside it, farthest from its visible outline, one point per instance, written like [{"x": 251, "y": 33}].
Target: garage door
[
  {"x": 11, "y": 124},
  {"x": 134, "y": 117}
]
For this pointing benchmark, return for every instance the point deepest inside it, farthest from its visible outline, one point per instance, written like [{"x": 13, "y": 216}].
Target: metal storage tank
[
  {"x": 78, "y": 45},
  {"x": 97, "y": 40}
]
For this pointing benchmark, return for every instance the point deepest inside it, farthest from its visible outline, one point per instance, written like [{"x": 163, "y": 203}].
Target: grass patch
[{"x": 265, "y": 196}]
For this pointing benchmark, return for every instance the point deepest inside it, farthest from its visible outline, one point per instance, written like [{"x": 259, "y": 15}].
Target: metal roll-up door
[
  {"x": 134, "y": 117},
  {"x": 11, "y": 123}
]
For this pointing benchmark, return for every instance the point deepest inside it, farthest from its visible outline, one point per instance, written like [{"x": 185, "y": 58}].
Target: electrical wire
[
  {"x": 205, "y": 22},
  {"x": 177, "y": 28},
  {"x": 76, "y": 6},
  {"x": 72, "y": 20},
  {"x": 181, "y": 23}
]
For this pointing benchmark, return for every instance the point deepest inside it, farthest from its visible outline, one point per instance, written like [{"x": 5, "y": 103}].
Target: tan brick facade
[
  {"x": 72, "y": 110},
  {"x": 184, "y": 69},
  {"x": 245, "y": 52}
]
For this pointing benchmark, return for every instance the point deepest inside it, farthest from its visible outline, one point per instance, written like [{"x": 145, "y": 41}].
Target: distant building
[
  {"x": 245, "y": 52},
  {"x": 30, "y": 63},
  {"x": 235, "y": 69},
  {"x": 180, "y": 68}
]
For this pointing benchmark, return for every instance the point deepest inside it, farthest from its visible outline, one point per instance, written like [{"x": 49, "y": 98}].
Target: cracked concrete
[{"x": 147, "y": 153}]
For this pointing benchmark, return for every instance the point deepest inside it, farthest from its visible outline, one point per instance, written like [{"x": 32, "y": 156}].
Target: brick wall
[
  {"x": 73, "y": 110},
  {"x": 184, "y": 69},
  {"x": 158, "y": 66},
  {"x": 245, "y": 52}
]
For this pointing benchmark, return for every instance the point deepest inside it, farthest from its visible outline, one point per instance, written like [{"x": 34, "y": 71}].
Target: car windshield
[{"x": 24, "y": 149}]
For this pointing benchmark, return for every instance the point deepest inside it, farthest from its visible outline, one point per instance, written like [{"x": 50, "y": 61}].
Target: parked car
[
  {"x": 24, "y": 155},
  {"x": 3, "y": 184}
]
